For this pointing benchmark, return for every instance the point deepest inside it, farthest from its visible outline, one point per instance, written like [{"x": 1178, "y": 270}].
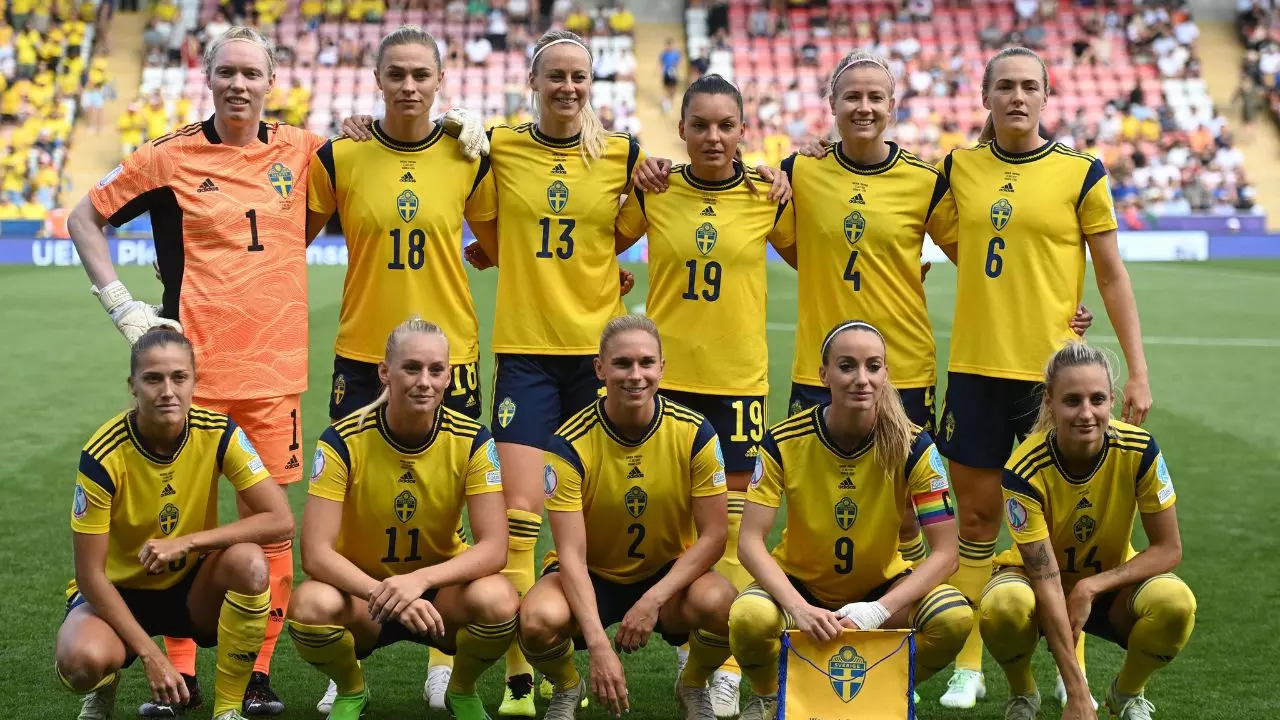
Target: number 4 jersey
[{"x": 230, "y": 235}]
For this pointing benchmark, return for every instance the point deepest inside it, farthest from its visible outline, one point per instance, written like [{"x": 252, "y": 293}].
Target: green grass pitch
[{"x": 65, "y": 369}]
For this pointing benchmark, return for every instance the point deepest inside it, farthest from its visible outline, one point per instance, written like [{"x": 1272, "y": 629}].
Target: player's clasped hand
[
  {"x": 421, "y": 617},
  {"x": 863, "y": 615},
  {"x": 158, "y": 553},
  {"x": 609, "y": 681},
  {"x": 167, "y": 686},
  {"x": 1079, "y": 605},
  {"x": 477, "y": 257},
  {"x": 394, "y": 594},
  {"x": 818, "y": 623},
  {"x": 636, "y": 626}
]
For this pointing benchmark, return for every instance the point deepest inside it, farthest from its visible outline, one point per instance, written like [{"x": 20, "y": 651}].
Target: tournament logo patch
[
  {"x": 847, "y": 671},
  {"x": 854, "y": 226},
  {"x": 757, "y": 473},
  {"x": 407, "y": 205},
  {"x": 168, "y": 518},
  {"x": 281, "y": 179},
  {"x": 557, "y": 196},
  {"x": 719, "y": 452},
  {"x": 1083, "y": 529},
  {"x": 1016, "y": 513},
  {"x": 549, "y": 480},
  {"x": 705, "y": 237},
  {"x": 846, "y": 513},
  {"x": 243, "y": 441},
  {"x": 115, "y": 173},
  {"x": 1166, "y": 483},
  {"x": 339, "y": 388},
  {"x": 80, "y": 503},
  {"x": 936, "y": 464},
  {"x": 491, "y": 452},
  {"x": 636, "y": 501},
  {"x": 506, "y": 411},
  {"x": 406, "y": 504},
  {"x": 1001, "y": 213},
  {"x": 317, "y": 465}
]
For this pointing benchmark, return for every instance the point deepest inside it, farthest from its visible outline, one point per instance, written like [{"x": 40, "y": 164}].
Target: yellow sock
[
  {"x": 755, "y": 626},
  {"x": 435, "y": 658},
  {"x": 1007, "y": 620},
  {"x": 242, "y": 624},
  {"x": 332, "y": 650},
  {"x": 707, "y": 651},
  {"x": 105, "y": 681},
  {"x": 913, "y": 550},
  {"x": 729, "y": 566},
  {"x": 479, "y": 646},
  {"x": 556, "y": 664},
  {"x": 523, "y": 539},
  {"x": 942, "y": 622},
  {"x": 1165, "y": 610},
  {"x": 970, "y": 579}
]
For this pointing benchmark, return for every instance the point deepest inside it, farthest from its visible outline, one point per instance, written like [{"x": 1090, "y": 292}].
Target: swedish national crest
[
  {"x": 636, "y": 501},
  {"x": 854, "y": 226},
  {"x": 281, "y": 179},
  {"x": 1001, "y": 213},
  {"x": 847, "y": 670},
  {"x": 705, "y": 237},
  {"x": 557, "y": 196},
  {"x": 407, "y": 205},
  {"x": 406, "y": 504},
  {"x": 168, "y": 518}
]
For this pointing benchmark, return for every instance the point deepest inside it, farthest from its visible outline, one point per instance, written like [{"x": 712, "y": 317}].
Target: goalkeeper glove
[
  {"x": 866, "y": 615},
  {"x": 472, "y": 138},
  {"x": 132, "y": 317}
]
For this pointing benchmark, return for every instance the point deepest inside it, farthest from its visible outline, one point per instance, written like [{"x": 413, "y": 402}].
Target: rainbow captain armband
[{"x": 933, "y": 507}]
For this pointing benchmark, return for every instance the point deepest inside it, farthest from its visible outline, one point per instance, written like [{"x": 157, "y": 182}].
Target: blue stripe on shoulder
[
  {"x": 331, "y": 438},
  {"x": 706, "y": 434},
  {"x": 92, "y": 469},
  {"x": 325, "y": 153},
  {"x": 769, "y": 445},
  {"x": 940, "y": 188},
  {"x": 919, "y": 448},
  {"x": 1148, "y": 457},
  {"x": 225, "y": 440},
  {"x": 565, "y": 451},
  {"x": 1016, "y": 483},
  {"x": 1097, "y": 171},
  {"x": 482, "y": 436}
]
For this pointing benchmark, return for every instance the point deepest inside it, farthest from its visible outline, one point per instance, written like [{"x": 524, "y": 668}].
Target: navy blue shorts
[
  {"x": 614, "y": 600},
  {"x": 393, "y": 632},
  {"x": 356, "y": 384},
  {"x": 983, "y": 417},
  {"x": 534, "y": 394},
  {"x": 739, "y": 422},
  {"x": 918, "y": 402},
  {"x": 159, "y": 612}
]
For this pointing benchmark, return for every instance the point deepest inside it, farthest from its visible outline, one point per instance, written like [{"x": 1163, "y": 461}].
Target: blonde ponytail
[
  {"x": 988, "y": 130},
  {"x": 414, "y": 325}
]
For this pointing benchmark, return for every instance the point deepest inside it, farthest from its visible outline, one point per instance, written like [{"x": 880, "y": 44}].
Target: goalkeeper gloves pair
[{"x": 132, "y": 317}]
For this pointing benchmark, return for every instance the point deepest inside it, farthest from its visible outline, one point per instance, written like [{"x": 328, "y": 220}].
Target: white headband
[
  {"x": 557, "y": 42},
  {"x": 858, "y": 61},
  {"x": 847, "y": 326}
]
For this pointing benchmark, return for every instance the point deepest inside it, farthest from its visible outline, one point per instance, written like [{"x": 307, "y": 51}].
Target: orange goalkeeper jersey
[{"x": 230, "y": 234}]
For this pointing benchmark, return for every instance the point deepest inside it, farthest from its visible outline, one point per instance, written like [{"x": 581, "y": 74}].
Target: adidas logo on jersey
[
  {"x": 559, "y": 170},
  {"x": 635, "y": 474},
  {"x": 292, "y": 464},
  {"x": 167, "y": 491},
  {"x": 1084, "y": 504},
  {"x": 708, "y": 211},
  {"x": 847, "y": 484},
  {"x": 471, "y": 401},
  {"x": 407, "y": 477},
  {"x": 407, "y": 177},
  {"x": 207, "y": 186},
  {"x": 1008, "y": 187},
  {"x": 857, "y": 200}
]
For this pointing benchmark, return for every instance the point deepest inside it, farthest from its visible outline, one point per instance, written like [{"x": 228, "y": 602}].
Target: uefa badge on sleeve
[
  {"x": 80, "y": 504},
  {"x": 757, "y": 473},
  {"x": 1016, "y": 513},
  {"x": 549, "y": 481},
  {"x": 317, "y": 465}
]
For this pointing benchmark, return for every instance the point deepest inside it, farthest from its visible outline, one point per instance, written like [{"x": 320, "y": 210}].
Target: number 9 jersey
[{"x": 401, "y": 505}]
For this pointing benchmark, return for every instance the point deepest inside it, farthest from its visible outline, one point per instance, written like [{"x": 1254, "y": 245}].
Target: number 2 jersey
[
  {"x": 844, "y": 508},
  {"x": 132, "y": 495},
  {"x": 402, "y": 206},
  {"x": 635, "y": 496},
  {"x": 1023, "y": 218},
  {"x": 1087, "y": 519},
  {"x": 230, "y": 236},
  {"x": 401, "y": 506}
]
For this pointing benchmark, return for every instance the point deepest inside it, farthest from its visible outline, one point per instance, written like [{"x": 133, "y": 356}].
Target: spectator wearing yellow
[
  {"x": 311, "y": 10},
  {"x": 98, "y": 71},
  {"x": 131, "y": 125},
  {"x": 75, "y": 30},
  {"x": 297, "y": 105},
  {"x": 777, "y": 145},
  {"x": 68, "y": 82},
  {"x": 269, "y": 12},
  {"x": 333, "y": 9},
  {"x": 167, "y": 11},
  {"x": 11, "y": 101},
  {"x": 41, "y": 92},
  {"x": 58, "y": 126},
  {"x": 20, "y": 12},
  {"x": 6, "y": 37},
  {"x": 15, "y": 179},
  {"x": 578, "y": 22},
  {"x": 51, "y": 48},
  {"x": 45, "y": 184},
  {"x": 622, "y": 21},
  {"x": 32, "y": 210},
  {"x": 27, "y": 52},
  {"x": 155, "y": 118},
  {"x": 8, "y": 209},
  {"x": 182, "y": 111}
]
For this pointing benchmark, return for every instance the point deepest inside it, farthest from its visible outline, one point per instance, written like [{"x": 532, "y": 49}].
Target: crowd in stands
[
  {"x": 45, "y": 65},
  {"x": 1125, "y": 78}
]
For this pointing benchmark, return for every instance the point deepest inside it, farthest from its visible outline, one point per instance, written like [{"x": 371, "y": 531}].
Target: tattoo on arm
[{"x": 1037, "y": 565}]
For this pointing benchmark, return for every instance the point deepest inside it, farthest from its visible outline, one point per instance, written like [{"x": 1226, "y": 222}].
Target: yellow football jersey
[
  {"x": 414, "y": 495},
  {"x": 1022, "y": 224},
  {"x": 558, "y": 275},
  {"x": 402, "y": 207},
  {"x": 860, "y": 230},
  {"x": 1089, "y": 519},
  {"x": 636, "y": 497},
  {"x": 708, "y": 287},
  {"x": 132, "y": 495},
  {"x": 843, "y": 509}
]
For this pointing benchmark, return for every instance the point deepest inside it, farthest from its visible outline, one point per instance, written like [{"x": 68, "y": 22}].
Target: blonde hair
[
  {"x": 409, "y": 35},
  {"x": 989, "y": 127},
  {"x": 413, "y": 326},
  {"x": 240, "y": 33},
  {"x": 593, "y": 135},
  {"x": 893, "y": 430},
  {"x": 858, "y": 57},
  {"x": 1075, "y": 353},
  {"x": 627, "y": 323}
]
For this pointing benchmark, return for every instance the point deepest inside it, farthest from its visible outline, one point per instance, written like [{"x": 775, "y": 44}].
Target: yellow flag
[{"x": 863, "y": 674}]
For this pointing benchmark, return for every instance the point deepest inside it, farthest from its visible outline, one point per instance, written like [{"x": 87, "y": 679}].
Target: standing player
[
  {"x": 1027, "y": 210},
  {"x": 402, "y": 199},
  {"x": 150, "y": 558},
  {"x": 842, "y": 568},
  {"x": 1071, "y": 491},
  {"x": 708, "y": 291},
  {"x": 637, "y": 461},
  {"x": 411, "y": 465}
]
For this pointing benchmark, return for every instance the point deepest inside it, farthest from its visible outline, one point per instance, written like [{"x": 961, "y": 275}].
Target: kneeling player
[
  {"x": 409, "y": 465},
  {"x": 839, "y": 564},
  {"x": 150, "y": 558},
  {"x": 629, "y": 479},
  {"x": 1071, "y": 491}
]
